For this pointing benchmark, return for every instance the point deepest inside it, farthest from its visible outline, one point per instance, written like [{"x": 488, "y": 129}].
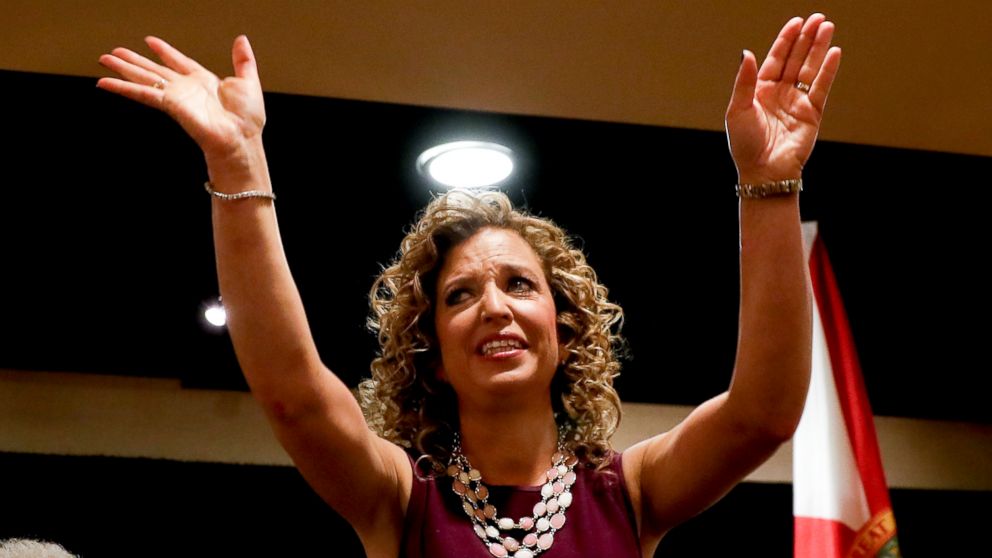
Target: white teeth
[{"x": 500, "y": 345}]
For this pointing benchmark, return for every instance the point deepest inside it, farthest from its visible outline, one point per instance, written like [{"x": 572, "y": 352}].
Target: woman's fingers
[
  {"x": 778, "y": 54},
  {"x": 143, "y": 81},
  {"x": 802, "y": 53},
  {"x": 243, "y": 59},
  {"x": 817, "y": 53},
  {"x": 144, "y": 94},
  {"x": 744, "y": 85},
  {"x": 824, "y": 79},
  {"x": 172, "y": 57},
  {"x": 139, "y": 61},
  {"x": 130, "y": 71},
  {"x": 801, "y": 47}
]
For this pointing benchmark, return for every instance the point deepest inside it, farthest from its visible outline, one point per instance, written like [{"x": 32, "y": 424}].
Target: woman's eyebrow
[
  {"x": 504, "y": 269},
  {"x": 456, "y": 280},
  {"x": 518, "y": 269}
]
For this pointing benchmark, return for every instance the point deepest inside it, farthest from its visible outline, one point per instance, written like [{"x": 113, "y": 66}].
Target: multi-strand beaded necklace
[{"x": 539, "y": 529}]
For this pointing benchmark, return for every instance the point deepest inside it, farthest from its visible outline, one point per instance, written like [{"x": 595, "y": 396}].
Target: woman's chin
[
  {"x": 512, "y": 374},
  {"x": 514, "y": 377}
]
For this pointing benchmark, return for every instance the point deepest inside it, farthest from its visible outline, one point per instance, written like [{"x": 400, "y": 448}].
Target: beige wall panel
[
  {"x": 84, "y": 414},
  {"x": 915, "y": 74}
]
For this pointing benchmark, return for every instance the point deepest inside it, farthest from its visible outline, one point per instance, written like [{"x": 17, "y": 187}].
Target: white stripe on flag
[{"x": 826, "y": 482}]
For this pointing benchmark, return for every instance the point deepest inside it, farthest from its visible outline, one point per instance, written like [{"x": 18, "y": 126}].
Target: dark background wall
[{"x": 107, "y": 254}]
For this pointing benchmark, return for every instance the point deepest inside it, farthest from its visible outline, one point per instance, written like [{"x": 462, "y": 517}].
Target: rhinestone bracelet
[
  {"x": 768, "y": 189},
  {"x": 239, "y": 195}
]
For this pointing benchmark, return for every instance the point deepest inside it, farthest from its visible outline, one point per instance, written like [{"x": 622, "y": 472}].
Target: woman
[{"x": 490, "y": 330}]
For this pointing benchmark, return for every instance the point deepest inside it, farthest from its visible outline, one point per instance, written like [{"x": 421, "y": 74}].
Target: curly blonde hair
[
  {"x": 31, "y": 548},
  {"x": 406, "y": 403}
]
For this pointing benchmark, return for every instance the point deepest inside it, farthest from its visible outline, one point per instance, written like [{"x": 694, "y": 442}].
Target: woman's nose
[{"x": 494, "y": 304}]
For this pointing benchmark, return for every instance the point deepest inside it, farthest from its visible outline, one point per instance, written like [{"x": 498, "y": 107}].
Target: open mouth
[{"x": 504, "y": 346}]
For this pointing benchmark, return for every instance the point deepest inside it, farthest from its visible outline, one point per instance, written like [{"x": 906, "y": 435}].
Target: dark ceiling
[{"x": 107, "y": 256}]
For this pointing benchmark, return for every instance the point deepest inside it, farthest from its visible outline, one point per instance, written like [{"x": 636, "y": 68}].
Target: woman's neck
[{"x": 512, "y": 447}]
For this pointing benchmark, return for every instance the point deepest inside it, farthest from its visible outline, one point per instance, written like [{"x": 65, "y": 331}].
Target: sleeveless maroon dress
[{"x": 600, "y": 521}]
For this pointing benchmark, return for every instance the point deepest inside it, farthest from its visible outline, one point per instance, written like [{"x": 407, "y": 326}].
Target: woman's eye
[
  {"x": 520, "y": 284},
  {"x": 456, "y": 296}
]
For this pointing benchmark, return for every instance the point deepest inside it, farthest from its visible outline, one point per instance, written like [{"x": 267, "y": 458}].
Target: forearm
[
  {"x": 266, "y": 319},
  {"x": 771, "y": 373}
]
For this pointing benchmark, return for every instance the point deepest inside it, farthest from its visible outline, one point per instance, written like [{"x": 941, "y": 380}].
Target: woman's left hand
[{"x": 775, "y": 112}]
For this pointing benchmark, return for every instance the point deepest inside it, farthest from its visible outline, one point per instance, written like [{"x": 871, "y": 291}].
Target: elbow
[
  {"x": 288, "y": 395},
  {"x": 765, "y": 438},
  {"x": 279, "y": 410},
  {"x": 769, "y": 400},
  {"x": 774, "y": 422},
  {"x": 780, "y": 430},
  {"x": 779, "y": 422},
  {"x": 285, "y": 409}
]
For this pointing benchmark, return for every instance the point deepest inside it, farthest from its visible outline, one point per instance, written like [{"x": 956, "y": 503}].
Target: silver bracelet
[
  {"x": 239, "y": 195},
  {"x": 768, "y": 189}
]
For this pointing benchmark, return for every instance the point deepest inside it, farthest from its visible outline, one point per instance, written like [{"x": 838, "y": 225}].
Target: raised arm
[
  {"x": 312, "y": 412},
  {"x": 772, "y": 123}
]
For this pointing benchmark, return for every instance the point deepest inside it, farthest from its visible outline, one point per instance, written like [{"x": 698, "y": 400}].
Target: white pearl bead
[
  {"x": 492, "y": 532},
  {"x": 565, "y": 500},
  {"x": 505, "y": 523},
  {"x": 523, "y": 553},
  {"x": 543, "y": 524}
]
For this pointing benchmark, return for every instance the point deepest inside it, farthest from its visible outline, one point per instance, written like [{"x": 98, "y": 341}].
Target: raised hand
[
  {"x": 775, "y": 112},
  {"x": 221, "y": 115}
]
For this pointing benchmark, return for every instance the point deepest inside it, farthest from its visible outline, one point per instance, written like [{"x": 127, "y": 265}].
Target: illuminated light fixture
[
  {"x": 215, "y": 314},
  {"x": 467, "y": 164}
]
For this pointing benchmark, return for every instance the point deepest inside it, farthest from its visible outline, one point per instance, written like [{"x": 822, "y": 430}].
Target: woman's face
[{"x": 495, "y": 318}]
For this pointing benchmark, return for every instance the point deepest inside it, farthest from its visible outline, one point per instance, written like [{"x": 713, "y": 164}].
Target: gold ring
[
  {"x": 160, "y": 84},
  {"x": 802, "y": 86}
]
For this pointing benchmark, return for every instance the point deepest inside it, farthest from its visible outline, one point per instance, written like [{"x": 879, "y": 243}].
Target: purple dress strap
[{"x": 600, "y": 521}]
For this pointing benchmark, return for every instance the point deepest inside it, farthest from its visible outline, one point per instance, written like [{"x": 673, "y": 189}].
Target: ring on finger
[
  {"x": 160, "y": 84},
  {"x": 802, "y": 86}
]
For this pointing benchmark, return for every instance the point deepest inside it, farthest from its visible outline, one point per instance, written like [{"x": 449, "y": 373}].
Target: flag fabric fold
[{"x": 840, "y": 497}]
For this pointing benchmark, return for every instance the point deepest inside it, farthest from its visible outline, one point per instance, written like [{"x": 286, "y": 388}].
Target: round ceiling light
[{"x": 467, "y": 164}]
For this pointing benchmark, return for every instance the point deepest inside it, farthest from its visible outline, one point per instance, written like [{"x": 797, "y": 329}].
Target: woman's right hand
[{"x": 223, "y": 116}]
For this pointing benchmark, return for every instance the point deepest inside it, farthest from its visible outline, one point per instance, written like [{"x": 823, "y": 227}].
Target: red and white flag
[{"x": 840, "y": 498}]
